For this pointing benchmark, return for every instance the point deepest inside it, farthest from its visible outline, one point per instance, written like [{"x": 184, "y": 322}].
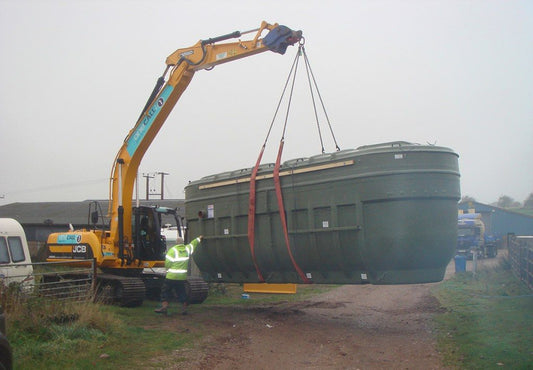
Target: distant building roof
[
  {"x": 76, "y": 213},
  {"x": 500, "y": 221},
  {"x": 481, "y": 207}
]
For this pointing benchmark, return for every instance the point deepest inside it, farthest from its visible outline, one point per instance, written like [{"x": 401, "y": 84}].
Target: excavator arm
[{"x": 181, "y": 66}]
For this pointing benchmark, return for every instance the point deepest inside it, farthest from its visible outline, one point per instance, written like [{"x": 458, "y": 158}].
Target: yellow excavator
[{"x": 132, "y": 241}]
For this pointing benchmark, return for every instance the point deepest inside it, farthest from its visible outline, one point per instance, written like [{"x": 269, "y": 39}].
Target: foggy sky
[{"x": 76, "y": 74}]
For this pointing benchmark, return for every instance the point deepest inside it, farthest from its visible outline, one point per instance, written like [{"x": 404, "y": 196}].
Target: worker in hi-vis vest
[{"x": 177, "y": 263}]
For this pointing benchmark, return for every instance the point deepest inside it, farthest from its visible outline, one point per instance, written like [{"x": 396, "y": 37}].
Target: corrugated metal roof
[
  {"x": 481, "y": 207},
  {"x": 500, "y": 221},
  {"x": 75, "y": 213}
]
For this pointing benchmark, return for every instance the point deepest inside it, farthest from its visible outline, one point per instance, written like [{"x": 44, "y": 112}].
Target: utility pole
[
  {"x": 162, "y": 183},
  {"x": 148, "y": 177}
]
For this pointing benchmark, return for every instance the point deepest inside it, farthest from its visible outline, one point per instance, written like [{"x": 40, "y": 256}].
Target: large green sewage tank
[{"x": 379, "y": 214}]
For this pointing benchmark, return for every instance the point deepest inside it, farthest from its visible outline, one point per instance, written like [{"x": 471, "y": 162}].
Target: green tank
[{"x": 379, "y": 214}]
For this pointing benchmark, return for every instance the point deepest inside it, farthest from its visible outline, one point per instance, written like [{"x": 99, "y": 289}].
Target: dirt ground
[{"x": 350, "y": 327}]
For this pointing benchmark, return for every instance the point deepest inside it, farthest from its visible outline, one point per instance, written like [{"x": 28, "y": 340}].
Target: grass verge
[{"x": 488, "y": 323}]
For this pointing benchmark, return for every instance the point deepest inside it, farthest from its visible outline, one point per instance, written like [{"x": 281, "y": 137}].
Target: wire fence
[
  {"x": 521, "y": 257},
  {"x": 61, "y": 281}
]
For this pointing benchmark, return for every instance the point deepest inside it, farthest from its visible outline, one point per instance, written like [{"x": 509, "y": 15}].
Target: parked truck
[{"x": 472, "y": 238}]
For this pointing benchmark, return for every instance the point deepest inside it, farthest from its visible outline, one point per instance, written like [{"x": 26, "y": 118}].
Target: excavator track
[
  {"x": 197, "y": 290},
  {"x": 196, "y": 287},
  {"x": 120, "y": 290}
]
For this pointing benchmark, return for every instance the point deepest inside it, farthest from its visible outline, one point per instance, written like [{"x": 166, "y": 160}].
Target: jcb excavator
[{"x": 133, "y": 241}]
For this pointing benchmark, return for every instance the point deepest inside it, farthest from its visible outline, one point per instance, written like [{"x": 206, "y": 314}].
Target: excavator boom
[{"x": 181, "y": 66}]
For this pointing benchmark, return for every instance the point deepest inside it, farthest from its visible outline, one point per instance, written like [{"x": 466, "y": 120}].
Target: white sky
[{"x": 74, "y": 76}]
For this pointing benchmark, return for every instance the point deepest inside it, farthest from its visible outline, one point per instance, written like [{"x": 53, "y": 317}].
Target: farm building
[
  {"x": 499, "y": 221},
  {"x": 39, "y": 219}
]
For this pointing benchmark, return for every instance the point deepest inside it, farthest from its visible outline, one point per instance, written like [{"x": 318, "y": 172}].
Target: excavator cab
[
  {"x": 146, "y": 230},
  {"x": 150, "y": 245}
]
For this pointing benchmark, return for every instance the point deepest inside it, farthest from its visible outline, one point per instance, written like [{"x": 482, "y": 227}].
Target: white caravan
[{"x": 15, "y": 260}]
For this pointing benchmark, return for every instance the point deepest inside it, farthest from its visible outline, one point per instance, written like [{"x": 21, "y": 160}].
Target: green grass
[
  {"x": 488, "y": 322},
  {"x": 47, "y": 334}
]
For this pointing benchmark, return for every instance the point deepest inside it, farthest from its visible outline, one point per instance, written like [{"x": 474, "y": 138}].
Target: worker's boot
[{"x": 163, "y": 308}]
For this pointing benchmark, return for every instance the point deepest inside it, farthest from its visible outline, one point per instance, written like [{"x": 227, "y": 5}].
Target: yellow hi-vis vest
[{"x": 177, "y": 260}]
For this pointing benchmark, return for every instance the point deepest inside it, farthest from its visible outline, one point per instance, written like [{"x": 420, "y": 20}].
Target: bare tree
[
  {"x": 467, "y": 199},
  {"x": 506, "y": 201},
  {"x": 528, "y": 203}
]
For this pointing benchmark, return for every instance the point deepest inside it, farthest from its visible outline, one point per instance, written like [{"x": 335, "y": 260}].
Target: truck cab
[{"x": 472, "y": 238}]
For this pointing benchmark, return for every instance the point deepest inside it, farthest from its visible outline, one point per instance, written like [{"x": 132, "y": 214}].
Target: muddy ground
[{"x": 350, "y": 327}]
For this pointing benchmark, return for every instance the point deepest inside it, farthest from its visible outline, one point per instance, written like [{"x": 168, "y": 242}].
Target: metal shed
[{"x": 499, "y": 221}]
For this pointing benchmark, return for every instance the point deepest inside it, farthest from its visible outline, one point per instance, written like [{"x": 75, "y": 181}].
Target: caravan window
[
  {"x": 15, "y": 247},
  {"x": 4, "y": 255}
]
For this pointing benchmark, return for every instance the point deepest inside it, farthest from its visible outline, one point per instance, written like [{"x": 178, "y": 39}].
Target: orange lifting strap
[
  {"x": 281, "y": 207},
  {"x": 277, "y": 183},
  {"x": 251, "y": 215}
]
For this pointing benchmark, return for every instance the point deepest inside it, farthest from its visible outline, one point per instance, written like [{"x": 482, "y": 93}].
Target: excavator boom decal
[{"x": 141, "y": 130}]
